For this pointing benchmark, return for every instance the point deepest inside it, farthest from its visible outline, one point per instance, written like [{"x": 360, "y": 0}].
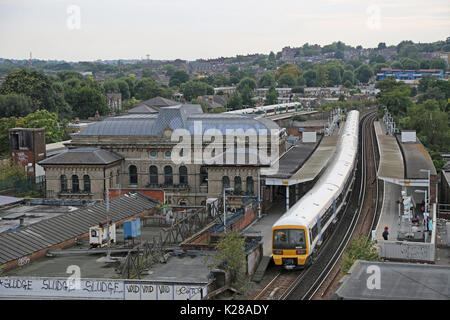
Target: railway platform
[{"x": 405, "y": 166}]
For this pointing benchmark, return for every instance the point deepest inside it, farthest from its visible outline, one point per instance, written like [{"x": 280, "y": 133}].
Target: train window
[
  {"x": 314, "y": 232},
  {"x": 289, "y": 239}
]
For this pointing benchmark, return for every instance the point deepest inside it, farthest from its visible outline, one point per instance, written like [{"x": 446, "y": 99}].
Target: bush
[{"x": 362, "y": 248}]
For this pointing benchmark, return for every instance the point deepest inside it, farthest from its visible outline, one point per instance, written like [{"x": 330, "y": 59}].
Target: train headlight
[
  {"x": 277, "y": 251},
  {"x": 302, "y": 251}
]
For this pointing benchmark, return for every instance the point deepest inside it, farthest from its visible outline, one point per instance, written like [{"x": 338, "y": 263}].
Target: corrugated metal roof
[
  {"x": 22, "y": 242},
  {"x": 175, "y": 117}
]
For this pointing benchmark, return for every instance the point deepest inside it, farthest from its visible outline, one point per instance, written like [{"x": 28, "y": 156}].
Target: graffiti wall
[{"x": 98, "y": 289}]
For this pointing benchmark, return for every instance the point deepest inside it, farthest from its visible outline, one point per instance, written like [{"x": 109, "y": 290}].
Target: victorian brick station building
[{"x": 136, "y": 152}]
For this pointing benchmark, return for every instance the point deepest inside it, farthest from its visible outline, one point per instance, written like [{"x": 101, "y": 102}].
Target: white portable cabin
[{"x": 98, "y": 235}]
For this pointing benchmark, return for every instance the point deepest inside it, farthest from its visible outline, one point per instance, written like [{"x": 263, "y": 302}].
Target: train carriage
[{"x": 297, "y": 235}]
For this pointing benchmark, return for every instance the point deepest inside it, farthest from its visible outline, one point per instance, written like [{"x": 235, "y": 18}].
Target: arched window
[
  {"x": 133, "y": 175},
  {"x": 183, "y": 175},
  {"x": 63, "y": 183},
  {"x": 75, "y": 184},
  {"x": 86, "y": 183},
  {"x": 168, "y": 176},
  {"x": 225, "y": 182},
  {"x": 237, "y": 184},
  {"x": 203, "y": 175},
  {"x": 250, "y": 186},
  {"x": 153, "y": 175}
]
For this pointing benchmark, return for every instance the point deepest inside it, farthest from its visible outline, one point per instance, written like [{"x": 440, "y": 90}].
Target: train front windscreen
[{"x": 289, "y": 239}]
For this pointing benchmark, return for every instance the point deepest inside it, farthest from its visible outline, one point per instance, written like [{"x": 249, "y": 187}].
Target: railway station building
[{"x": 137, "y": 152}]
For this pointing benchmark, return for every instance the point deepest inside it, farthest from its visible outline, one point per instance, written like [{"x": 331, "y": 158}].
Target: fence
[{"x": 19, "y": 185}]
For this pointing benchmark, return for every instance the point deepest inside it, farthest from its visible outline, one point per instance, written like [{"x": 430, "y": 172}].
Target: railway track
[{"x": 304, "y": 285}]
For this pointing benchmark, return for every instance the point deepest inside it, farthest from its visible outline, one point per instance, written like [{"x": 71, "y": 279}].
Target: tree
[
  {"x": 348, "y": 76},
  {"x": 301, "y": 81},
  {"x": 362, "y": 248},
  {"x": 271, "y": 61},
  {"x": 15, "y": 105},
  {"x": 271, "y": 96},
  {"x": 124, "y": 89},
  {"x": 230, "y": 257},
  {"x": 247, "y": 95},
  {"x": 334, "y": 76},
  {"x": 310, "y": 77},
  {"x": 363, "y": 73},
  {"x": 438, "y": 63},
  {"x": 54, "y": 132},
  {"x": 321, "y": 75},
  {"x": 177, "y": 78},
  {"x": 194, "y": 88},
  {"x": 246, "y": 82},
  {"x": 267, "y": 80},
  {"x": 88, "y": 101},
  {"x": 111, "y": 86},
  {"x": 147, "y": 88},
  {"x": 409, "y": 64},
  {"x": 286, "y": 80},
  {"x": 381, "y": 45},
  {"x": 38, "y": 87},
  {"x": 287, "y": 68},
  {"x": 234, "y": 102}
]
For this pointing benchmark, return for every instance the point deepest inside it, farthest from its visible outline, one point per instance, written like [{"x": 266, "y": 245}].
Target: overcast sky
[{"x": 190, "y": 29}]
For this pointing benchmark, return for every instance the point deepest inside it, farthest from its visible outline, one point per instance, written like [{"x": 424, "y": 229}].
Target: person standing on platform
[
  {"x": 425, "y": 220},
  {"x": 385, "y": 233}
]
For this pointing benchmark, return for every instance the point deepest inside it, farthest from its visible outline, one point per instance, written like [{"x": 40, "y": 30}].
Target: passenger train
[
  {"x": 271, "y": 109},
  {"x": 298, "y": 234}
]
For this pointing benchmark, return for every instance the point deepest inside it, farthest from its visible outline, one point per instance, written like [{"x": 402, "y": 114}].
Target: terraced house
[{"x": 136, "y": 152}]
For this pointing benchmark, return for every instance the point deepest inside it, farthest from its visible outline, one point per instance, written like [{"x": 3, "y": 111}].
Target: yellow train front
[{"x": 290, "y": 246}]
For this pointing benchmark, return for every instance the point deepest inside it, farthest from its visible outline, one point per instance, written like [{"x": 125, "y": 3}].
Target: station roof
[
  {"x": 398, "y": 281},
  {"x": 416, "y": 158},
  {"x": 306, "y": 167},
  {"x": 391, "y": 158},
  {"x": 182, "y": 116},
  {"x": 318, "y": 160},
  {"x": 83, "y": 156},
  {"x": 293, "y": 159},
  {"x": 44, "y": 234}
]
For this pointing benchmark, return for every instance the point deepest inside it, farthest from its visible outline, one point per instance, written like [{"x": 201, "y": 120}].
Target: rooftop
[
  {"x": 44, "y": 234},
  {"x": 87, "y": 156},
  {"x": 398, "y": 281},
  {"x": 182, "y": 116}
]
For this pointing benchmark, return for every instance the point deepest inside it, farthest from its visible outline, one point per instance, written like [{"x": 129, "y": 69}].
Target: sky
[{"x": 86, "y": 30}]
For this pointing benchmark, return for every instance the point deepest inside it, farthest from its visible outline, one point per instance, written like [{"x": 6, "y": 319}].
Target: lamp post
[
  {"x": 225, "y": 209},
  {"x": 429, "y": 194}
]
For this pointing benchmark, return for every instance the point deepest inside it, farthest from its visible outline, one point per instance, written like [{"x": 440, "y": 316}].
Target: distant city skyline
[{"x": 84, "y": 30}]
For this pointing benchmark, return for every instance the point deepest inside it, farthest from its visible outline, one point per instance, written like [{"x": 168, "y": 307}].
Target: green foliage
[
  {"x": 87, "y": 101},
  {"x": 288, "y": 68},
  {"x": 234, "y": 102},
  {"x": 267, "y": 80},
  {"x": 195, "y": 88},
  {"x": 38, "y": 87},
  {"x": 271, "y": 96},
  {"x": 286, "y": 80},
  {"x": 363, "y": 73},
  {"x": 362, "y": 248},
  {"x": 230, "y": 257},
  {"x": 15, "y": 105},
  {"x": 177, "y": 78}
]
